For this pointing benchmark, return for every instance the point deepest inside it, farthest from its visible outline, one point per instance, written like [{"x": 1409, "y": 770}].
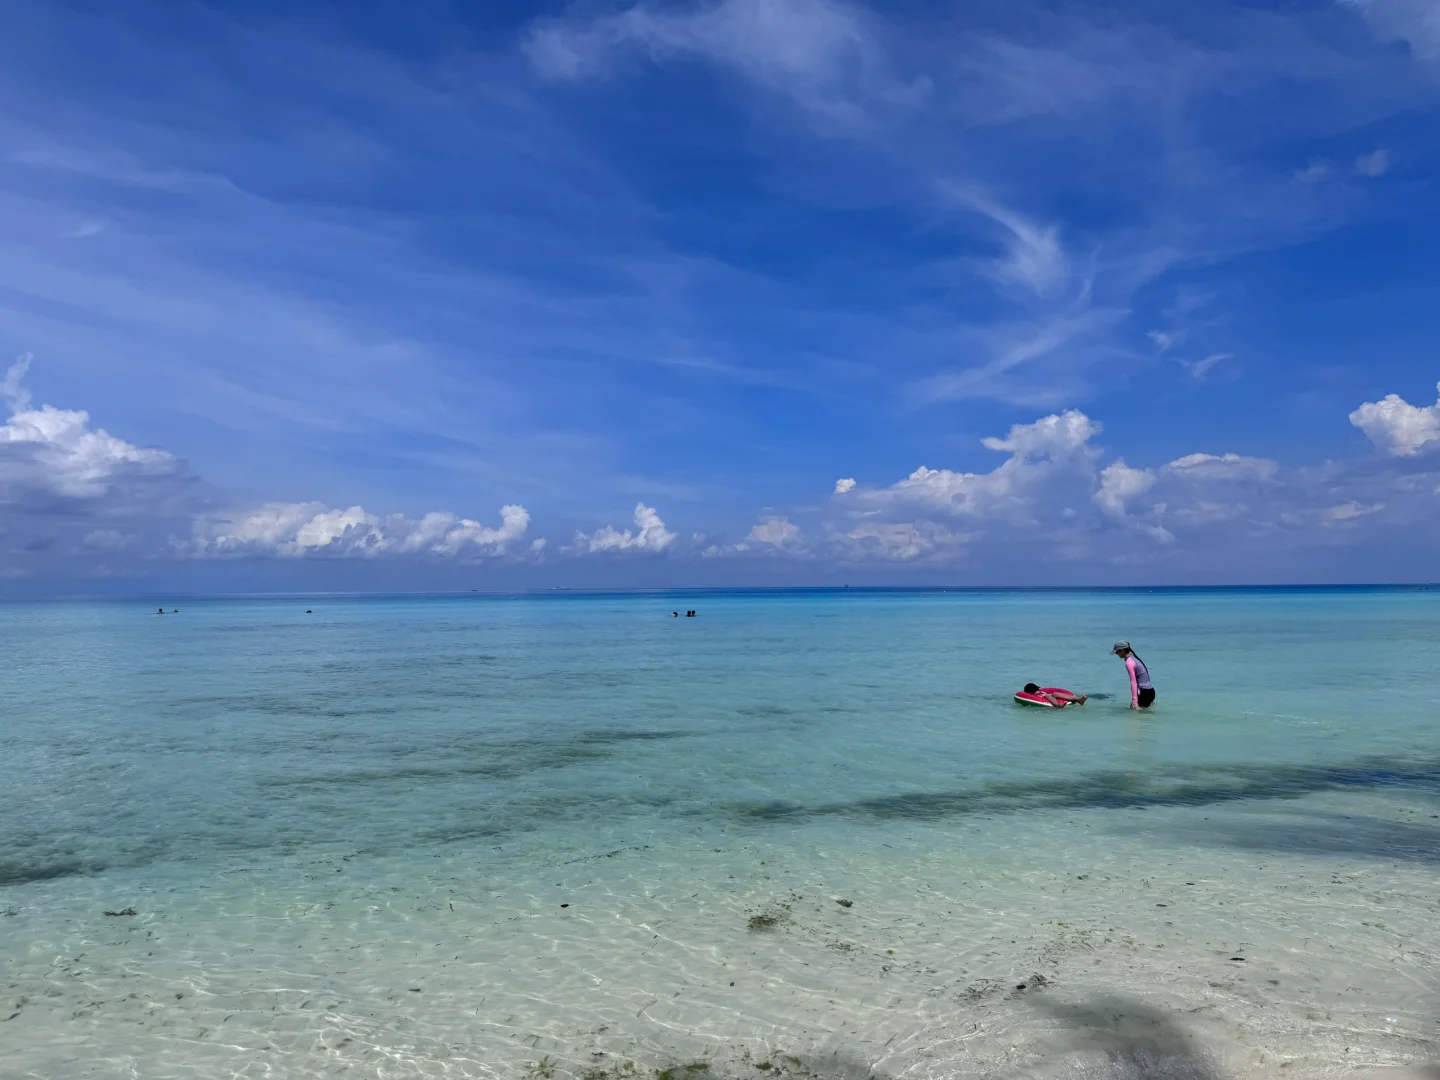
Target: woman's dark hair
[{"x": 1031, "y": 688}]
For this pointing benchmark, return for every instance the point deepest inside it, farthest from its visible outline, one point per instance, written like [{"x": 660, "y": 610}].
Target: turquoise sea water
[{"x": 347, "y": 835}]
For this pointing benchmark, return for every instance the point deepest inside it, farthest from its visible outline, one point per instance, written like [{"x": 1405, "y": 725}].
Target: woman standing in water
[{"x": 1142, "y": 694}]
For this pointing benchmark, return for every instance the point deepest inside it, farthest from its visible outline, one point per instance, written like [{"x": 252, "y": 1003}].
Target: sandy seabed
[{"x": 1294, "y": 939}]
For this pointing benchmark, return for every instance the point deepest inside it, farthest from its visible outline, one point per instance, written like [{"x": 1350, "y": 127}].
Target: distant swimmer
[
  {"x": 690, "y": 614},
  {"x": 1056, "y": 697},
  {"x": 1142, "y": 693},
  {"x": 674, "y": 614},
  {"x": 161, "y": 611}
]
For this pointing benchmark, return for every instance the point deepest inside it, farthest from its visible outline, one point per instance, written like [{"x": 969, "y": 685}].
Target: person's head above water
[
  {"x": 1031, "y": 688},
  {"x": 1122, "y": 649}
]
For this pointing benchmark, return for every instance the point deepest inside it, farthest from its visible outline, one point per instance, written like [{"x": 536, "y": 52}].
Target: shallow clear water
[{"x": 347, "y": 835}]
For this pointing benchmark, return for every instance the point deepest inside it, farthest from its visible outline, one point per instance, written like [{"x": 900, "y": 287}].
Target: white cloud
[
  {"x": 1374, "y": 164},
  {"x": 1159, "y": 533},
  {"x": 974, "y": 90},
  {"x": 13, "y": 388},
  {"x": 1028, "y": 498},
  {"x": 70, "y": 490},
  {"x": 1222, "y": 467},
  {"x": 84, "y": 230},
  {"x": 1200, "y": 368},
  {"x": 904, "y": 541},
  {"x": 75, "y": 490},
  {"x": 1397, "y": 427},
  {"x": 1033, "y": 256},
  {"x": 777, "y": 532},
  {"x": 55, "y": 452},
  {"x": 773, "y": 535},
  {"x": 1118, "y": 484},
  {"x": 1416, "y": 22},
  {"x": 104, "y": 540},
  {"x": 299, "y": 530},
  {"x": 844, "y": 485},
  {"x": 1349, "y": 510},
  {"x": 1038, "y": 452},
  {"x": 1052, "y": 436},
  {"x": 1067, "y": 332},
  {"x": 822, "y": 54},
  {"x": 650, "y": 535}
]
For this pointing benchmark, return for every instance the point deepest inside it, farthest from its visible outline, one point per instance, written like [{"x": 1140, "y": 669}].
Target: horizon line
[{"x": 561, "y": 591}]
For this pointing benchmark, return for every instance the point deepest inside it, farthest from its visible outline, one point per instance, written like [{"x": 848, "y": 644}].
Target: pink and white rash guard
[{"x": 1139, "y": 677}]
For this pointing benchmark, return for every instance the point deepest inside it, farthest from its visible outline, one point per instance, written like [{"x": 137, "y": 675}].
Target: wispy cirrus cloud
[
  {"x": 1374, "y": 164},
  {"x": 824, "y": 56},
  {"x": 1200, "y": 368},
  {"x": 274, "y": 312},
  {"x": 1002, "y": 112},
  {"x": 712, "y": 251},
  {"x": 1415, "y": 22}
]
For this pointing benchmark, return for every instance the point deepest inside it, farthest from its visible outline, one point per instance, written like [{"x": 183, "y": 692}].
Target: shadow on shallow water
[
  {"x": 1103, "y": 1038},
  {"x": 484, "y": 816},
  {"x": 1188, "y": 786},
  {"x": 20, "y": 871},
  {"x": 481, "y": 759},
  {"x": 1123, "y": 1039},
  {"x": 1364, "y": 836}
]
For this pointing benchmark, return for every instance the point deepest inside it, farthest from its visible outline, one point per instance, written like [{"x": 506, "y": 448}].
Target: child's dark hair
[{"x": 1031, "y": 688}]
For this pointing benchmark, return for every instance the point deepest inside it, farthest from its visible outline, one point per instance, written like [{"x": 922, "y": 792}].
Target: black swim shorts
[{"x": 1146, "y": 697}]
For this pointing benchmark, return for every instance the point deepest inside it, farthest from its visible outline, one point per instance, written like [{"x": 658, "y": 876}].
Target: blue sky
[{"x": 741, "y": 292}]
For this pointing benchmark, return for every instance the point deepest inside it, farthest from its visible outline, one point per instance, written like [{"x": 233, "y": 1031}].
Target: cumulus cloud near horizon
[
  {"x": 69, "y": 488},
  {"x": 1397, "y": 427},
  {"x": 903, "y": 541},
  {"x": 1047, "y": 459},
  {"x": 777, "y": 532},
  {"x": 48, "y": 453},
  {"x": 650, "y": 535},
  {"x": 1038, "y": 451},
  {"x": 1052, "y": 500},
  {"x": 1119, "y": 483},
  {"x": 312, "y": 529}
]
